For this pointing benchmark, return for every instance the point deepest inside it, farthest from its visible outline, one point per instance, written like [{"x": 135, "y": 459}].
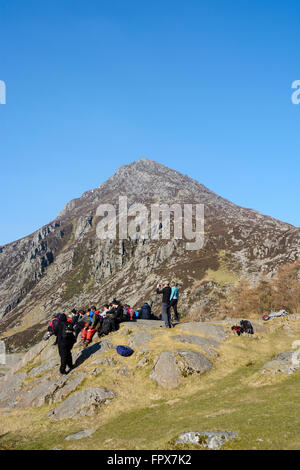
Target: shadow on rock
[{"x": 86, "y": 353}]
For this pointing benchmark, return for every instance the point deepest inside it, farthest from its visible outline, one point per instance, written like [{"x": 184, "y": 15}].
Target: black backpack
[
  {"x": 109, "y": 324},
  {"x": 248, "y": 328},
  {"x": 68, "y": 332}
]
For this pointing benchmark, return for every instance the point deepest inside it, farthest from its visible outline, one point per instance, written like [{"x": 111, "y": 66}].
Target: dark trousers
[
  {"x": 173, "y": 304},
  {"x": 165, "y": 315},
  {"x": 65, "y": 356}
]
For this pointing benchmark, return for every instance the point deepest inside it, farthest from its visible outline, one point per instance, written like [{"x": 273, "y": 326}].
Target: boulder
[
  {"x": 82, "y": 403},
  {"x": 171, "y": 366},
  {"x": 211, "y": 439},
  {"x": 194, "y": 363},
  {"x": 165, "y": 371},
  {"x": 287, "y": 362},
  {"x": 80, "y": 435}
]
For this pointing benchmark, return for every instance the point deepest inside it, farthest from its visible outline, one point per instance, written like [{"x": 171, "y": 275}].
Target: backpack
[
  {"x": 51, "y": 324},
  {"x": 246, "y": 325},
  {"x": 108, "y": 325},
  {"x": 124, "y": 351},
  {"x": 68, "y": 332},
  {"x": 238, "y": 329}
]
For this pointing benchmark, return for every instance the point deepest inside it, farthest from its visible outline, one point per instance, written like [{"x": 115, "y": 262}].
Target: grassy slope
[{"x": 234, "y": 396}]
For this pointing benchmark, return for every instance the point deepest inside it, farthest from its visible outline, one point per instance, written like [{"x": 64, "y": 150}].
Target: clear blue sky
[{"x": 203, "y": 87}]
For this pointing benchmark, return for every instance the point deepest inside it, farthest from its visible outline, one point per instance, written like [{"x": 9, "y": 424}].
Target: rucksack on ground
[
  {"x": 124, "y": 351},
  {"x": 247, "y": 326}
]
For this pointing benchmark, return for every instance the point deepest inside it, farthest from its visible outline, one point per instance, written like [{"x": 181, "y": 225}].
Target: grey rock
[
  {"x": 10, "y": 387},
  {"x": 82, "y": 403},
  {"x": 166, "y": 372},
  {"x": 286, "y": 362},
  {"x": 69, "y": 386},
  {"x": 107, "y": 361},
  {"x": 211, "y": 439},
  {"x": 40, "y": 394},
  {"x": 197, "y": 340},
  {"x": 209, "y": 330},
  {"x": 139, "y": 338},
  {"x": 124, "y": 371},
  {"x": 80, "y": 435},
  {"x": 45, "y": 366},
  {"x": 194, "y": 362},
  {"x": 170, "y": 367}
]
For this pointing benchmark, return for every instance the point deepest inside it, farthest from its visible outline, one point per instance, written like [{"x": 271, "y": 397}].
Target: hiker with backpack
[
  {"x": 65, "y": 340},
  {"x": 165, "y": 290},
  {"x": 52, "y": 327},
  {"x": 174, "y": 299}
]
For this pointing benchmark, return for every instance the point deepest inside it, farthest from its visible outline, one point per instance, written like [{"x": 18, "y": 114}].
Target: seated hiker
[
  {"x": 117, "y": 311},
  {"x": 145, "y": 312},
  {"x": 80, "y": 324},
  {"x": 105, "y": 309},
  {"x": 65, "y": 340},
  {"x": 91, "y": 326},
  {"x": 174, "y": 299},
  {"x": 129, "y": 312}
]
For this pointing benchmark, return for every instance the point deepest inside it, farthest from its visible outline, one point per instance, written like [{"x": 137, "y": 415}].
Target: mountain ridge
[{"x": 64, "y": 264}]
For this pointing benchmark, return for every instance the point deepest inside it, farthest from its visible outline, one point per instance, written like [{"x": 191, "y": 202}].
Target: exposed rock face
[
  {"x": 287, "y": 362},
  {"x": 213, "y": 440},
  {"x": 80, "y": 435},
  {"x": 83, "y": 403},
  {"x": 172, "y": 366},
  {"x": 65, "y": 264},
  {"x": 166, "y": 372},
  {"x": 139, "y": 338},
  {"x": 214, "y": 332}
]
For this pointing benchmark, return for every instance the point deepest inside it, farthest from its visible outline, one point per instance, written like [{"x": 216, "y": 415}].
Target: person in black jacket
[
  {"x": 165, "y": 290},
  {"x": 65, "y": 341}
]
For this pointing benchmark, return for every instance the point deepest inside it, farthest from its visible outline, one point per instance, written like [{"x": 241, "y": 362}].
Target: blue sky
[{"x": 203, "y": 87}]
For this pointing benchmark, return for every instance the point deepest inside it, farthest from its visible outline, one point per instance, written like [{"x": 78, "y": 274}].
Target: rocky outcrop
[
  {"x": 286, "y": 362},
  {"x": 170, "y": 367},
  {"x": 213, "y": 440},
  {"x": 211, "y": 331},
  {"x": 83, "y": 403}
]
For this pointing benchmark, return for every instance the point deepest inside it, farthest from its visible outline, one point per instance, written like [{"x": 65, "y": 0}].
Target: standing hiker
[
  {"x": 174, "y": 299},
  {"x": 165, "y": 290},
  {"x": 65, "y": 341}
]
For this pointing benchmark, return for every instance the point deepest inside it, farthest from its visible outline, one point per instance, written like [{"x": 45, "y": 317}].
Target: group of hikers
[{"x": 87, "y": 322}]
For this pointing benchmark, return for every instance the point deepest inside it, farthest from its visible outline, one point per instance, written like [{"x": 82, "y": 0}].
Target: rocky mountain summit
[{"x": 65, "y": 264}]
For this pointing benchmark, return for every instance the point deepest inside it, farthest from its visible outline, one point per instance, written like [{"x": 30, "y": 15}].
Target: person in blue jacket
[{"x": 174, "y": 299}]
